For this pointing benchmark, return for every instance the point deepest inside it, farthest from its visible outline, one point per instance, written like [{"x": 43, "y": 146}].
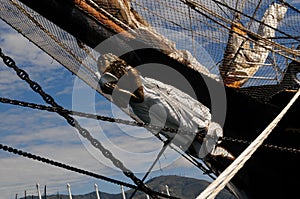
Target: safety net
[{"x": 245, "y": 43}]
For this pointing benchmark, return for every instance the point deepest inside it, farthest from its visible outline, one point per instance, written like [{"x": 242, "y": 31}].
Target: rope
[
  {"x": 215, "y": 187},
  {"x": 74, "y": 123},
  {"x": 257, "y": 20},
  {"x": 137, "y": 124},
  {"x": 176, "y": 10},
  {"x": 119, "y": 22},
  {"x": 74, "y": 169},
  {"x": 290, "y": 6},
  {"x": 206, "y": 12},
  {"x": 53, "y": 37},
  {"x": 97, "y": 117},
  {"x": 153, "y": 164}
]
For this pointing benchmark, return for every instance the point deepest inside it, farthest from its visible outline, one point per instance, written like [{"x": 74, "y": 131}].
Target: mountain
[{"x": 181, "y": 187}]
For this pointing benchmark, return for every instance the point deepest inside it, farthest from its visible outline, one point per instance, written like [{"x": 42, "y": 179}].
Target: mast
[
  {"x": 69, "y": 191},
  {"x": 38, "y": 191},
  {"x": 97, "y": 191},
  {"x": 167, "y": 190},
  {"x": 123, "y": 192}
]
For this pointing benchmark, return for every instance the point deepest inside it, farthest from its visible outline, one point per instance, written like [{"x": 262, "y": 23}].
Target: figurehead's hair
[{"x": 112, "y": 64}]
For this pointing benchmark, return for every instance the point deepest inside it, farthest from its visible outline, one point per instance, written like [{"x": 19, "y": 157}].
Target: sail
[{"x": 241, "y": 59}]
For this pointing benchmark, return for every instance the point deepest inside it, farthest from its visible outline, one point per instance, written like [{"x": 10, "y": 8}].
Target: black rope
[
  {"x": 97, "y": 117},
  {"x": 290, "y": 6},
  {"x": 256, "y": 20},
  {"x": 197, "y": 9},
  {"x": 73, "y": 122},
  {"x": 244, "y": 40},
  {"x": 74, "y": 169},
  {"x": 130, "y": 123},
  {"x": 227, "y": 15},
  {"x": 266, "y": 146},
  {"x": 108, "y": 119},
  {"x": 153, "y": 164}
]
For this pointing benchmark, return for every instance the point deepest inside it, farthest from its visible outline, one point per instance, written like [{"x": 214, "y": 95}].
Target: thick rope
[{"x": 215, "y": 187}]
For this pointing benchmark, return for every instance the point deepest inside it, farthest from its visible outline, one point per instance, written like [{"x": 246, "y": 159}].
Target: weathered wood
[{"x": 63, "y": 14}]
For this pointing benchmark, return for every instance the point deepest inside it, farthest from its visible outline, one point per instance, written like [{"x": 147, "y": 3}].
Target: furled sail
[
  {"x": 124, "y": 15},
  {"x": 243, "y": 58},
  {"x": 122, "y": 10}
]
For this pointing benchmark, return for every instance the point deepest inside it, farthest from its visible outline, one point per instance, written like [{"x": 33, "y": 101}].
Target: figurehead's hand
[
  {"x": 108, "y": 83},
  {"x": 108, "y": 88}
]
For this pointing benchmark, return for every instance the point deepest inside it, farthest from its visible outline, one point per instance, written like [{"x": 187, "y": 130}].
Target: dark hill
[{"x": 181, "y": 187}]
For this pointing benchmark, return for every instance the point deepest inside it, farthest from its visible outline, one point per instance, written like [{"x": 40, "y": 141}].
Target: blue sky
[{"x": 47, "y": 134}]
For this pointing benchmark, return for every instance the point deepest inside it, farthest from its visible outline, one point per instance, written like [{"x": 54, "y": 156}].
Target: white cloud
[
  {"x": 19, "y": 174},
  {"x": 40, "y": 67},
  {"x": 10, "y": 83},
  {"x": 45, "y": 134},
  {"x": 23, "y": 51},
  {"x": 18, "y": 120},
  {"x": 48, "y": 135},
  {"x": 65, "y": 91}
]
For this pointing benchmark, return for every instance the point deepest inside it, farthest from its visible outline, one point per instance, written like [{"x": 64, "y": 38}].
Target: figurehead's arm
[{"x": 128, "y": 87}]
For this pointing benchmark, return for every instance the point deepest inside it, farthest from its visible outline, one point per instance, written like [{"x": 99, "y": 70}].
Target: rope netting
[
  {"x": 215, "y": 187},
  {"x": 201, "y": 27},
  {"x": 56, "y": 42},
  {"x": 210, "y": 29}
]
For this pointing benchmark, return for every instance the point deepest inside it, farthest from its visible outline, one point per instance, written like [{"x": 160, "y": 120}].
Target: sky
[{"x": 48, "y": 135}]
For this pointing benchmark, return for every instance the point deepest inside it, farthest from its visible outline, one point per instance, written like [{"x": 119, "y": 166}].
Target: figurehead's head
[{"x": 109, "y": 63}]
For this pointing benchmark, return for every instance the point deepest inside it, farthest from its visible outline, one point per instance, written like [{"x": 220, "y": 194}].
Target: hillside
[{"x": 182, "y": 187}]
